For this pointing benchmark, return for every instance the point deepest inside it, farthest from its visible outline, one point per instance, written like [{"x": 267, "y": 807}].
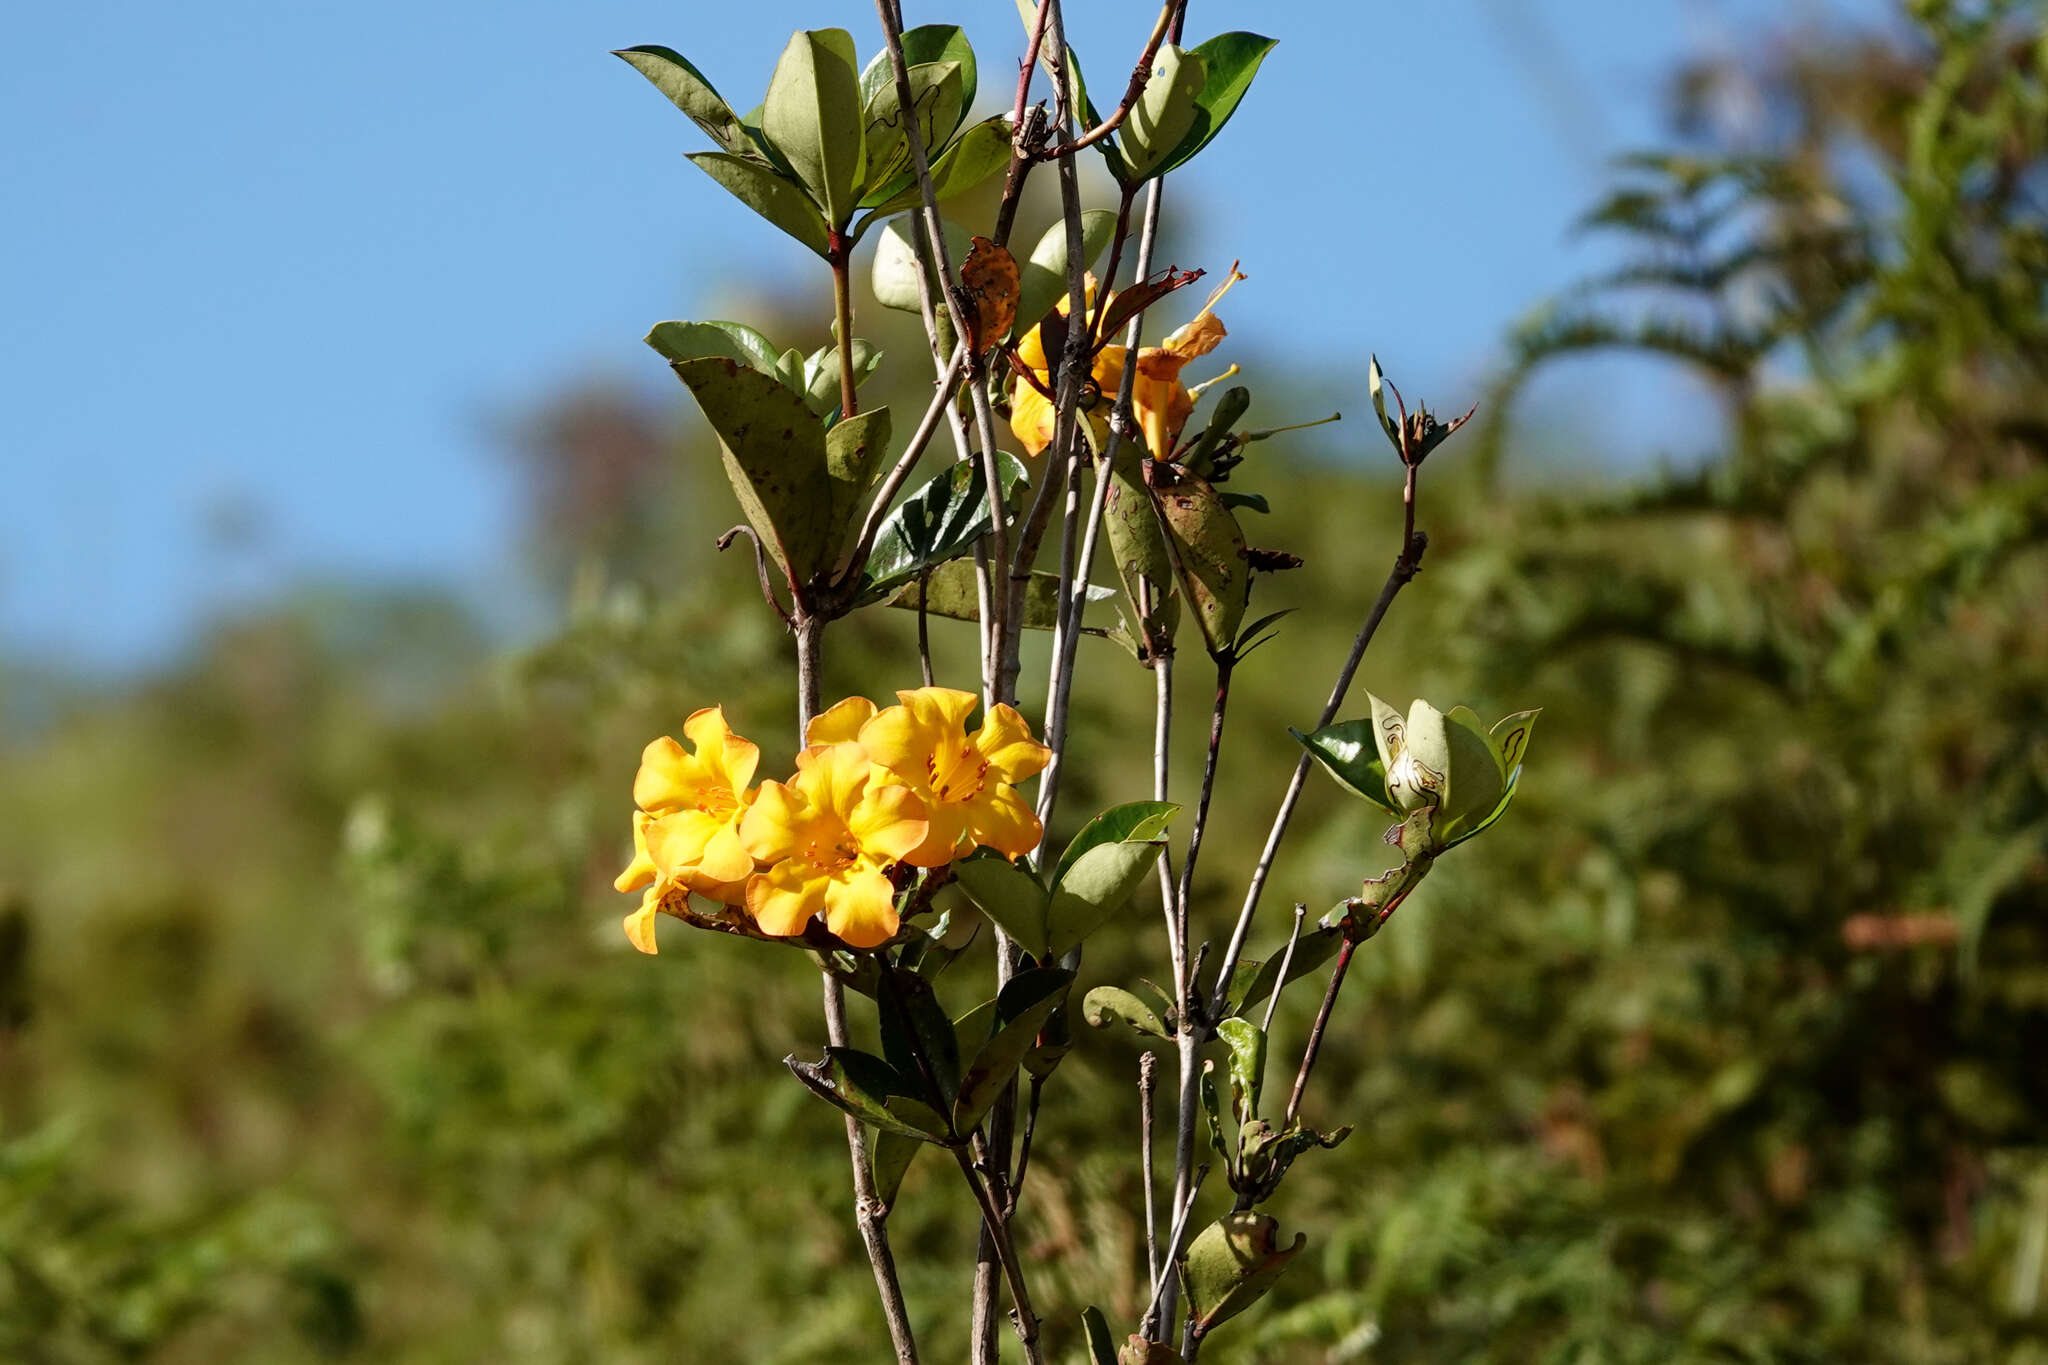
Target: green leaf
[
  {"x": 698, "y": 340},
  {"x": 674, "y": 76},
  {"x": 1346, "y": 752},
  {"x": 925, "y": 43},
  {"x": 1507, "y": 798},
  {"x": 1475, "y": 783},
  {"x": 1007, "y": 894},
  {"x": 1163, "y": 114},
  {"x": 935, "y": 90},
  {"x": 952, "y": 594},
  {"x": 1112, "y": 1004},
  {"x": 1389, "y": 730},
  {"x": 1022, "y": 1007},
  {"x": 1510, "y": 740},
  {"x": 1231, "y": 405},
  {"x": 896, "y": 269},
  {"x": 768, "y": 194},
  {"x": 912, "y": 1022},
  {"x": 973, "y": 1029},
  {"x": 1247, "y": 1043},
  {"x": 1138, "y": 548},
  {"x": 1254, "y": 501},
  {"x": 889, "y": 1157},
  {"x": 1231, "y": 1265},
  {"x": 1101, "y": 1346},
  {"x": 1417, "y": 777},
  {"x": 868, "y": 1088},
  {"x": 821, "y": 374},
  {"x": 977, "y": 154},
  {"x": 851, "y": 449},
  {"x": 813, "y": 117},
  {"x": 1375, "y": 383},
  {"x": 1100, "y": 883},
  {"x": 774, "y": 452},
  {"x": 938, "y": 522},
  {"x": 1209, "y": 559},
  {"x": 1311, "y": 951},
  {"x": 1140, "y": 820},
  {"x": 1042, "y": 280},
  {"x": 789, "y": 368},
  {"x": 1229, "y": 61}
]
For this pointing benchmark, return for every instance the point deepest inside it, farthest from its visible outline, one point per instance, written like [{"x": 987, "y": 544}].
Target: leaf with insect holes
[{"x": 989, "y": 279}]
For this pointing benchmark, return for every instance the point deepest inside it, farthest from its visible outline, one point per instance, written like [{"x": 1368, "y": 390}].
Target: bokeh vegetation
[{"x": 318, "y": 1038}]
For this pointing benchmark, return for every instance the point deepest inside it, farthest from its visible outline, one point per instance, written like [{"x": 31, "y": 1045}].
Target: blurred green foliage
[{"x": 319, "y": 1038}]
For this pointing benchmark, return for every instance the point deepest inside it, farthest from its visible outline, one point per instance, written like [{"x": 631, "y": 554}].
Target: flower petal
[
  {"x": 777, "y": 824},
  {"x": 783, "y": 899},
  {"x": 860, "y": 907},
  {"x": 1032, "y": 417},
  {"x": 640, "y": 924},
  {"x": 888, "y": 821},
  {"x": 640, "y": 871},
  {"x": 725, "y": 858},
  {"x": 945, "y": 822},
  {"x": 1000, "y": 819},
  {"x": 677, "y": 841},
  {"x": 841, "y": 724},
  {"x": 668, "y": 777},
  {"x": 723, "y": 758},
  {"x": 1005, "y": 742}
]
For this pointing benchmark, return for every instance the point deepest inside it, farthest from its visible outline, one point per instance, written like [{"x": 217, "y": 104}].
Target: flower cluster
[{"x": 875, "y": 792}]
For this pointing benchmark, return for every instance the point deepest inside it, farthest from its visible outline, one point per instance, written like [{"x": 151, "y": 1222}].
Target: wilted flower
[
  {"x": 967, "y": 782},
  {"x": 829, "y": 837},
  {"x": 686, "y": 832}
]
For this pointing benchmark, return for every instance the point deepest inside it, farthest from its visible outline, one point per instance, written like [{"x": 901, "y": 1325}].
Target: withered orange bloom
[
  {"x": 1160, "y": 400},
  {"x": 829, "y": 836},
  {"x": 967, "y": 782},
  {"x": 686, "y": 832}
]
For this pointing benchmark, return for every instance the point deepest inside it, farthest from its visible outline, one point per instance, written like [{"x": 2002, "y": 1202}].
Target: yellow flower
[
  {"x": 1032, "y": 416},
  {"x": 1161, "y": 401},
  {"x": 686, "y": 832},
  {"x": 828, "y": 835},
  {"x": 966, "y": 782}
]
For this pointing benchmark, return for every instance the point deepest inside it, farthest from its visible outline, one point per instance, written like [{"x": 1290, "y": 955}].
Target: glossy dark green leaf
[
  {"x": 973, "y": 1029},
  {"x": 889, "y": 1157},
  {"x": 1101, "y": 1346},
  {"x": 813, "y": 117},
  {"x": 1229, "y": 61},
  {"x": 1255, "y": 502},
  {"x": 1022, "y": 1007},
  {"x": 1140, "y": 820},
  {"x": 1231, "y": 406},
  {"x": 700, "y": 340},
  {"x": 767, "y": 193},
  {"x": 674, "y": 76},
  {"x": 1106, "y": 1005},
  {"x": 1347, "y": 752},
  {"x": 1232, "y": 1263},
  {"x": 914, "y": 1029},
  {"x": 868, "y": 1088},
  {"x": 774, "y": 451},
  {"x": 938, "y": 522},
  {"x": 1007, "y": 894}
]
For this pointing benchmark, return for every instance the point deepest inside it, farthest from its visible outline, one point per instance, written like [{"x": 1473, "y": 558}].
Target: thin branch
[
  {"x": 1315, "y": 1034},
  {"x": 924, "y": 629},
  {"x": 878, "y": 510},
  {"x": 1413, "y": 543},
  {"x": 1286, "y": 961},
  {"x": 1025, "y": 135},
  {"x": 998, "y": 1229},
  {"x": 1225, "y": 664},
  {"x": 842, "y": 324},
  {"x": 1024, "y": 1145},
  {"x": 1159, "y": 1306},
  {"x": 1148, "y": 1085}
]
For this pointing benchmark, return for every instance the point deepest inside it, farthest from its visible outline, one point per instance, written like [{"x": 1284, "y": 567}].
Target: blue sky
[{"x": 287, "y": 262}]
